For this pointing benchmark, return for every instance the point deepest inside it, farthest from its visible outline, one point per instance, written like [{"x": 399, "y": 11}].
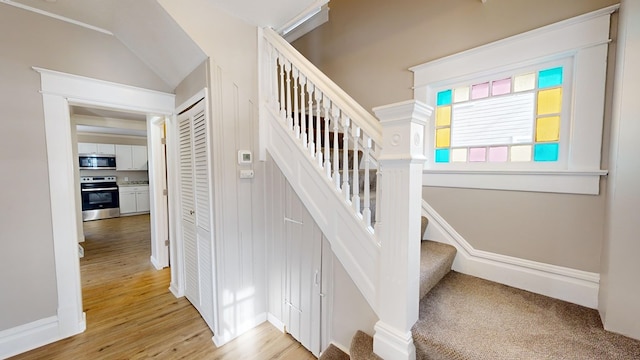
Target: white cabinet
[
  {"x": 134, "y": 199},
  {"x": 101, "y": 149},
  {"x": 131, "y": 157}
]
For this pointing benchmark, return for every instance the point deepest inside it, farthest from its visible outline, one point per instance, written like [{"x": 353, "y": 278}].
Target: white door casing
[{"x": 59, "y": 91}]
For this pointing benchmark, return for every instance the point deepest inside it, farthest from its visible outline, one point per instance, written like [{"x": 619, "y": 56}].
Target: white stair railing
[
  {"x": 326, "y": 122},
  {"x": 372, "y": 222}
]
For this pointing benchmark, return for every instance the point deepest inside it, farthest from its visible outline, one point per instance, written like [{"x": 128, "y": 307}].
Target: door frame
[{"x": 60, "y": 91}]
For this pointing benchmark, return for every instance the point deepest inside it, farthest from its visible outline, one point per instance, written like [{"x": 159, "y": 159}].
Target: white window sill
[{"x": 566, "y": 182}]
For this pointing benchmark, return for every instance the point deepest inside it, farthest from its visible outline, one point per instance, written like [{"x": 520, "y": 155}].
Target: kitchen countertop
[{"x": 134, "y": 183}]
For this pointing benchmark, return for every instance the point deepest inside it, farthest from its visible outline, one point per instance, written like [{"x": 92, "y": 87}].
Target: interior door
[
  {"x": 303, "y": 278},
  {"x": 196, "y": 209}
]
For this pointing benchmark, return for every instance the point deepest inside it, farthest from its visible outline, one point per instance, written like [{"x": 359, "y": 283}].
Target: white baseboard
[
  {"x": 226, "y": 336},
  {"x": 275, "y": 322},
  {"x": 29, "y": 336},
  {"x": 155, "y": 263},
  {"x": 575, "y": 286}
]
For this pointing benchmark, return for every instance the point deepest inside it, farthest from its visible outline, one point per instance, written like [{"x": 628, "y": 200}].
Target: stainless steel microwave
[{"x": 93, "y": 161}]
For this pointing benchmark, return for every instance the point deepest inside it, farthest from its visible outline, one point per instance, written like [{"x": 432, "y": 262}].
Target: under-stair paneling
[{"x": 345, "y": 307}]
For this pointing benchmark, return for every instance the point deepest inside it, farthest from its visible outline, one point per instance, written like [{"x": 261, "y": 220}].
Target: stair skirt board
[{"x": 575, "y": 286}]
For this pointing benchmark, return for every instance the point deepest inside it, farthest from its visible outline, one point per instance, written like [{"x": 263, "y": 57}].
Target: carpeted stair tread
[
  {"x": 362, "y": 347},
  {"x": 468, "y": 318},
  {"x": 435, "y": 262},
  {"x": 333, "y": 353}
]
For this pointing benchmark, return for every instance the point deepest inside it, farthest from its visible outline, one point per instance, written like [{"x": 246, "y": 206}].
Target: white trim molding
[
  {"x": 23, "y": 338},
  {"x": 581, "y": 44},
  {"x": 575, "y": 286}
]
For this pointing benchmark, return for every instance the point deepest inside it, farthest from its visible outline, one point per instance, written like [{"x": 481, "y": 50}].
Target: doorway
[{"x": 59, "y": 92}]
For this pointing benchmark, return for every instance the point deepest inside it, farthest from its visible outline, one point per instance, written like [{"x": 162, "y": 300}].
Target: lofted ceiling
[{"x": 150, "y": 33}]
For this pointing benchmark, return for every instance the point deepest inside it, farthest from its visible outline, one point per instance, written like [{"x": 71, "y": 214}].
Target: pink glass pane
[
  {"x": 479, "y": 91},
  {"x": 498, "y": 154},
  {"x": 500, "y": 87},
  {"x": 477, "y": 154}
]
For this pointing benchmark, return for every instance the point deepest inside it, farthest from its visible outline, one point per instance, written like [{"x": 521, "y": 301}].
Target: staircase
[
  {"x": 436, "y": 260},
  {"x": 360, "y": 177}
]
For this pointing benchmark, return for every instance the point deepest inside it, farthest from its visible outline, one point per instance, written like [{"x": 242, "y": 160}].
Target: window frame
[{"x": 583, "y": 41}]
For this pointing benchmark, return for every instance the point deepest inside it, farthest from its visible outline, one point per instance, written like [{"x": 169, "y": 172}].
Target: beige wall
[
  {"x": 619, "y": 300},
  {"x": 367, "y": 48},
  {"x": 193, "y": 83},
  {"x": 27, "y": 271}
]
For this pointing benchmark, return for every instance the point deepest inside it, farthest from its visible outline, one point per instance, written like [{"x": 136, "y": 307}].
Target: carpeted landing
[{"x": 467, "y": 318}]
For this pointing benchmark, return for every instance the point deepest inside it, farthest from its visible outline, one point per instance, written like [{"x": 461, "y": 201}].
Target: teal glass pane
[
  {"x": 550, "y": 77},
  {"x": 442, "y": 155},
  {"x": 444, "y": 98},
  {"x": 545, "y": 152}
]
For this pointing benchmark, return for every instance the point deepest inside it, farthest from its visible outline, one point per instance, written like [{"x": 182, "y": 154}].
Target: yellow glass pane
[
  {"x": 443, "y": 137},
  {"x": 459, "y": 155},
  {"x": 549, "y": 101},
  {"x": 521, "y": 153},
  {"x": 443, "y": 116},
  {"x": 548, "y": 129}
]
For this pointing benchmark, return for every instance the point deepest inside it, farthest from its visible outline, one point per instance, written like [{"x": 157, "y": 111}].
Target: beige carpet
[{"x": 464, "y": 317}]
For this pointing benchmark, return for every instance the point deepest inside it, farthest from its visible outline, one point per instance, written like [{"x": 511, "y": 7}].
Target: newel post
[{"x": 401, "y": 162}]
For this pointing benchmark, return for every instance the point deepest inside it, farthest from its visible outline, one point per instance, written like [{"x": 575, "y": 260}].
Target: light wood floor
[{"x": 132, "y": 315}]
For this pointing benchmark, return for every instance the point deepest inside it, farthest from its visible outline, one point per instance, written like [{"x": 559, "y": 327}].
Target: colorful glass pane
[
  {"x": 550, "y": 77},
  {"x": 459, "y": 155},
  {"x": 442, "y": 155},
  {"x": 501, "y": 87},
  {"x": 524, "y": 82},
  {"x": 477, "y": 154},
  {"x": 498, "y": 154},
  {"x": 521, "y": 153},
  {"x": 549, "y": 101},
  {"x": 443, "y": 137},
  {"x": 479, "y": 91},
  {"x": 461, "y": 94},
  {"x": 443, "y": 116},
  {"x": 548, "y": 129},
  {"x": 545, "y": 152},
  {"x": 444, "y": 98}
]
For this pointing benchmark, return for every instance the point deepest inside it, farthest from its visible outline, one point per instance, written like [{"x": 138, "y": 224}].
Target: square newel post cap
[{"x": 403, "y": 129}]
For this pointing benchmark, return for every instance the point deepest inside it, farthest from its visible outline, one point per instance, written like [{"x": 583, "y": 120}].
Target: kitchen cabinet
[
  {"x": 134, "y": 199},
  {"x": 131, "y": 157},
  {"x": 99, "y": 149}
]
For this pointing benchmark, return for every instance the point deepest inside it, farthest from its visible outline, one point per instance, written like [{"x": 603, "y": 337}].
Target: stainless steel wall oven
[{"x": 100, "y": 198}]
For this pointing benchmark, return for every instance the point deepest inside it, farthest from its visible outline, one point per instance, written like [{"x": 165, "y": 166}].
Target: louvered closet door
[{"x": 196, "y": 210}]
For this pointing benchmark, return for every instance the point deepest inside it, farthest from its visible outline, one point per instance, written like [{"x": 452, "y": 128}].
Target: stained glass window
[{"x": 506, "y": 119}]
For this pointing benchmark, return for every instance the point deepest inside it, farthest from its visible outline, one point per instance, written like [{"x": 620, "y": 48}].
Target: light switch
[{"x": 246, "y": 174}]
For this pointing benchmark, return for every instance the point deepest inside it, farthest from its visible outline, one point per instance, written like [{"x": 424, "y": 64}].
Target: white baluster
[
  {"x": 346, "y": 190},
  {"x": 327, "y": 143},
  {"x": 281, "y": 96},
  {"x": 296, "y": 113},
  {"x": 303, "y": 130},
  {"x": 366, "y": 212},
  {"x": 355, "y": 199},
  {"x": 378, "y": 198},
  {"x": 309, "y": 119},
  {"x": 335, "y": 118},
  {"x": 318, "y": 130},
  {"x": 288, "y": 108}
]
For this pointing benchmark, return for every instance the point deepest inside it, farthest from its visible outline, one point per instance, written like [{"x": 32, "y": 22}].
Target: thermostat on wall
[{"x": 244, "y": 157}]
